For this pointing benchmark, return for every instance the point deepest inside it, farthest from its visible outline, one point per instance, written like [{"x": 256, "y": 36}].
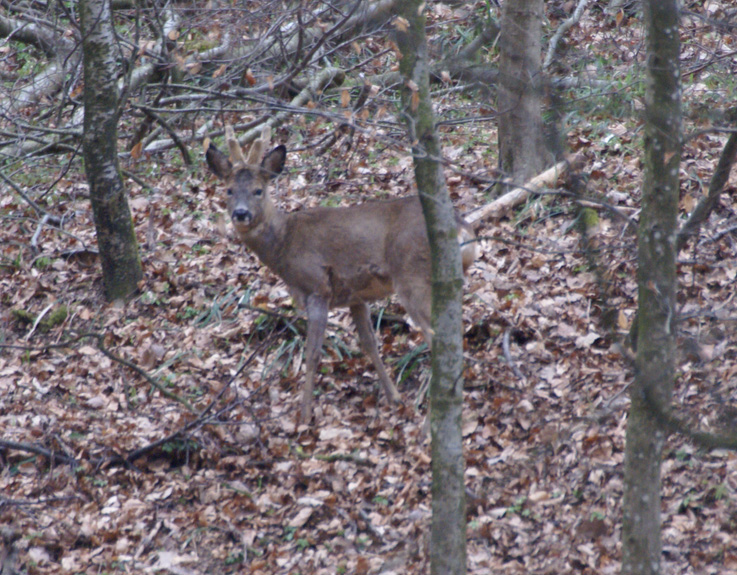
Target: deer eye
[
  {"x": 258, "y": 192},
  {"x": 229, "y": 191}
]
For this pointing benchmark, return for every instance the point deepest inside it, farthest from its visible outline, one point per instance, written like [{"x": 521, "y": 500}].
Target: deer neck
[{"x": 268, "y": 239}]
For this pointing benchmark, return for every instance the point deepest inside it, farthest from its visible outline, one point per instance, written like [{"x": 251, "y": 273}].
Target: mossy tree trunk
[
  {"x": 116, "y": 239},
  {"x": 655, "y": 361},
  {"x": 448, "y": 533},
  {"x": 522, "y": 150}
]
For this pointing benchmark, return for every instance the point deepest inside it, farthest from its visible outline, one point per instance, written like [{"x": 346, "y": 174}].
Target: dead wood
[{"x": 501, "y": 206}]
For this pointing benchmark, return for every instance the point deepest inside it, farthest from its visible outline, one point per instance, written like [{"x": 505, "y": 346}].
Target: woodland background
[{"x": 105, "y": 466}]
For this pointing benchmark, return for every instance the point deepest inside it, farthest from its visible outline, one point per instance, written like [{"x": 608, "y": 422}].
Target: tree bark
[
  {"x": 655, "y": 361},
  {"x": 522, "y": 151},
  {"x": 121, "y": 266},
  {"x": 448, "y": 532}
]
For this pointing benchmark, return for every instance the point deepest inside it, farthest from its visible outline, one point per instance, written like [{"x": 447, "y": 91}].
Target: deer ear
[
  {"x": 274, "y": 161},
  {"x": 218, "y": 162}
]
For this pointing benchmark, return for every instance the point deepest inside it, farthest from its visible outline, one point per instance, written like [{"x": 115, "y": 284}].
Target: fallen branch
[
  {"x": 61, "y": 51},
  {"x": 562, "y": 29},
  {"x": 333, "y": 457},
  {"x": 327, "y": 78},
  {"x": 706, "y": 206},
  {"x": 501, "y": 206},
  {"x": 49, "y": 454}
]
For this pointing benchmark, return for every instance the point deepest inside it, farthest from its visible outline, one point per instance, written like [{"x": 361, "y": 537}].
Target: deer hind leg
[
  {"x": 317, "y": 321},
  {"x": 416, "y": 298},
  {"x": 367, "y": 339}
]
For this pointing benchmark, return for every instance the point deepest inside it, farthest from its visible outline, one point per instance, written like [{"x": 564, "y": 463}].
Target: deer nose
[{"x": 241, "y": 215}]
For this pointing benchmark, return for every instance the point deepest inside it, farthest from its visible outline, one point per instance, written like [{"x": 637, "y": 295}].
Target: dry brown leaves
[{"x": 240, "y": 488}]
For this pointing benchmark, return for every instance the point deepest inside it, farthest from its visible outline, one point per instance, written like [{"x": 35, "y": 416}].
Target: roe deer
[{"x": 332, "y": 257}]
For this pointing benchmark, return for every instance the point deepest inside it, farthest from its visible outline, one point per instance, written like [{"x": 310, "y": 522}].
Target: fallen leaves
[{"x": 124, "y": 477}]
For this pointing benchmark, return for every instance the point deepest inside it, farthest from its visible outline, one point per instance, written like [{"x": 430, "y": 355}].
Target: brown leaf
[
  {"x": 401, "y": 24},
  {"x": 136, "y": 150},
  {"x": 415, "y": 101},
  {"x": 219, "y": 72},
  {"x": 302, "y": 517}
]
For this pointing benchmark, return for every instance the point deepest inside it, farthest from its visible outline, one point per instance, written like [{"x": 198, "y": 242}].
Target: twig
[
  {"x": 146, "y": 541},
  {"x": 140, "y": 181},
  {"x": 663, "y": 411},
  {"x": 38, "y": 320},
  {"x": 423, "y": 391},
  {"x": 37, "y": 233},
  {"x": 308, "y": 57},
  {"x": 53, "y": 220},
  {"x": 100, "y": 338},
  {"x": 508, "y": 357},
  {"x": 81, "y": 251},
  {"x": 141, "y": 451},
  {"x": 719, "y": 235},
  {"x": 186, "y": 157},
  {"x": 326, "y": 78},
  {"x": 202, "y": 417},
  {"x": 319, "y": 83},
  {"x": 375, "y": 534}
]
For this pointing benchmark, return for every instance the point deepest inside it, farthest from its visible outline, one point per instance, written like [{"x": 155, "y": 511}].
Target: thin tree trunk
[
  {"x": 116, "y": 238},
  {"x": 448, "y": 533},
  {"x": 655, "y": 362}
]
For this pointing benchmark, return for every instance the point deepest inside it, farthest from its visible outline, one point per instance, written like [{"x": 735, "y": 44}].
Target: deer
[{"x": 333, "y": 257}]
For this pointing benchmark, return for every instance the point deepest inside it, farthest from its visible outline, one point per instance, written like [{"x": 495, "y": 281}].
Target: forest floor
[{"x": 207, "y": 471}]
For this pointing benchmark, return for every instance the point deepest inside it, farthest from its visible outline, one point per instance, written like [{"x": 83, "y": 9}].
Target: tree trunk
[
  {"x": 655, "y": 362},
  {"x": 448, "y": 533},
  {"x": 116, "y": 239},
  {"x": 522, "y": 151}
]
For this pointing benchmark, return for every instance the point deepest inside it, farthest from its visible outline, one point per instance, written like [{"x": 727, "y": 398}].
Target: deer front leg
[
  {"x": 367, "y": 339},
  {"x": 317, "y": 321}
]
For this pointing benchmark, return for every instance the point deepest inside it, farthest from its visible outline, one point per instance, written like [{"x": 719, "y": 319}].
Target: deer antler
[
  {"x": 236, "y": 154},
  {"x": 259, "y": 146}
]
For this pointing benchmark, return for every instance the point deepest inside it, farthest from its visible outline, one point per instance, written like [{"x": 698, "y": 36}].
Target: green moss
[
  {"x": 48, "y": 322},
  {"x": 588, "y": 218},
  {"x": 24, "y": 316},
  {"x": 56, "y": 317}
]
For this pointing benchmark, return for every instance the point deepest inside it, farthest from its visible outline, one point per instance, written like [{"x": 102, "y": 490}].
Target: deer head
[{"x": 246, "y": 179}]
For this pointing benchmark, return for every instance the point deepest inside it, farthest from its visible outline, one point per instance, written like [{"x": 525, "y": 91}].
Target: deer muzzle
[{"x": 241, "y": 216}]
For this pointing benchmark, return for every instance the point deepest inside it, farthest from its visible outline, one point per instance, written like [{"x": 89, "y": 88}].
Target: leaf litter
[{"x": 237, "y": 486}]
